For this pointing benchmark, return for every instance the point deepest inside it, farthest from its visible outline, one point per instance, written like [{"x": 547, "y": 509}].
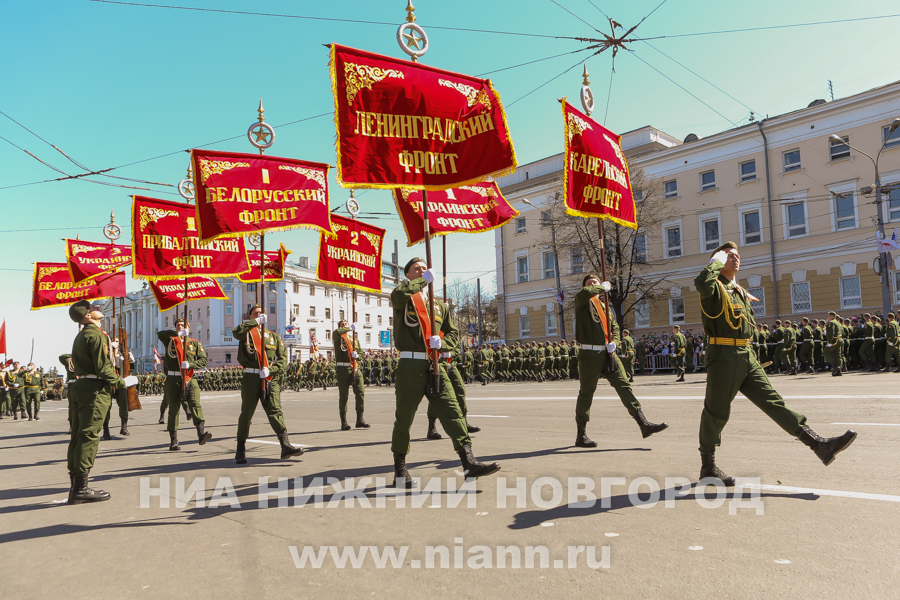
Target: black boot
[
  {"x": 472, "y": 428},
  {"x": 81, "y": 493},
  {"x": 708, "y": 468},
  {"x": 106, "y": 435},
  {"x": 162, "y": 415},
  {"x": 471, "y": 466},
  {"x": 173, "y": 441},
  {"x": 124, "y": 429},
  {"x": 680, "y": 376},
  {"x": 582, "y": 440},
  {"x": 345, "y": 426},
  {"x": 360, "y": 422},
  {"x": 648, "y": 428},
  {"x": 240, "y": 455},
  {"x": 836, "y": 372},
  {"x": 287, "y": 450},
  {"x": 402, "y": 478},
  {"x": 36, "y": 416},
  {"x": 202, "y": 434},
  {"x": 826, "y": 448},
  {"x": 432, "y": 431},
  {"x": 793, "y": 371}
]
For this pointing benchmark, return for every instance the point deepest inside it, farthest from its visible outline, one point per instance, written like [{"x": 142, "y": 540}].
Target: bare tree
[
  {"x": 633, "y": 275},
  {"x": 465, "y": 311}
]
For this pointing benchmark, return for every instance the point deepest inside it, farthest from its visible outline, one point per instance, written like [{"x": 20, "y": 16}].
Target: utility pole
[{"x": 478, "y": 308}]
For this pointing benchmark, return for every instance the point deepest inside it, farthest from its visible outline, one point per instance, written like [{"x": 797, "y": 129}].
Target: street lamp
[
  {"x": 562, "y": 318},
  {"x": 885, "y": 276}
]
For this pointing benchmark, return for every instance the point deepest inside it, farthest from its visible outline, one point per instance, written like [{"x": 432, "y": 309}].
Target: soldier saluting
[
  {"x": 90, "y": 397},
  {"x": 349, "y": 374},
  {"x": 183, "y": 354},
  {"x": 732, "y": 367},
  {"x": 264, "y": 358}
]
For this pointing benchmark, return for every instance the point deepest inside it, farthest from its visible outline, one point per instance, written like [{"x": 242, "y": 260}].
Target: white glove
[
  {"x": 445, "y": 354},
  {"x": 606, "y": 286},
  {"x": 355, "y": 354},
  {"x": 15, "y": 385},
  {"x": 611, "y": 347},
  {"x": 183, "y": 333},
  {"x": 131, "y": 381},
  {"x": 428, "y": 275},
  {"x": 829, "y": 345},
  {"x": 115, "y": 345},
  {"x": 185, "y": 365},
  {"x": 352, "y": 326},
  {"x": 264, "y": 372},
  {"x": 435, "y": 342},
  {"x": 720, "y": 256},
  {"x": 261, "y": 319}
]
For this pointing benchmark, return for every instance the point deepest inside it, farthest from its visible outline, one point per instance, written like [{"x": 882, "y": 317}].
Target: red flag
[
  {"x": 165, "y": 244},
  {"x": 3, "y": 337},
  {"x": 274, "y": 265},
  {"x": 53, "y": 286},
  {"x": 170, "y": 293},
  {"x": 466, "y": 209},
  {"x": 597, "y": 183},
  {"x": 89, "y": 259},
  {"x": 242, "y": 194},
  {"x": 403, "y": 124},
  {"x": 352, "y": 257}
]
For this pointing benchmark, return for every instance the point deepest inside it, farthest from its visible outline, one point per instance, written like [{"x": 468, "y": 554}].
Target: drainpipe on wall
[{"x": 771, "y": 226}]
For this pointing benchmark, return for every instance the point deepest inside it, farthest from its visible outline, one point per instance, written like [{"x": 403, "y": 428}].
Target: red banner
[
  {"x": 89, "y": 259},
  {"x": 242, "y": 194},
  {"x": 352, "y": 256},
  {"x": 53, "y": 286},
  {"x": 466, "y": 209},
  {"x": 170, "y": 293},
  {"x": 403, "y": 124},
  {"x": 596, "y": 175},
  {"x": 165, "y": 244},
  {"x": 274, "y": 265}
]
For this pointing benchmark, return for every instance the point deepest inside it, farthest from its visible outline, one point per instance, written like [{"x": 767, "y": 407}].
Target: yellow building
[{"x": 781, "y": 188}]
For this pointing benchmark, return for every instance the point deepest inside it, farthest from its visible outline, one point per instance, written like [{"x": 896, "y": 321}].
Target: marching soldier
[
  {"x": 892, "y": 343},
  {"x": 346, "y": 352},
  {"x": 414, "y": 339},
  {"x": 89, "y": 399},
  {"x": 834, "y": 332},
  {"x": 32, "y": 385},
  {"x": 626, "y": 351},
  {"x": 13, "y": 379},
  {"x": 678, "y": 352},
  {"x": 789, "y": 349},
  {"x": 591, "y": 327},
  {"x": 263, "y": 356},
  {"x": 183, "y": 354},
  {"x": 731, "y": 367},
  {"x": 806, "y": 340}
]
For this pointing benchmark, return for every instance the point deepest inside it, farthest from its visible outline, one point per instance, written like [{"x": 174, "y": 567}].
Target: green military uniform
[
  {"x": 880, "y": 343},
  {"x": 679, "y": 350},
  {"x": 66, "y": 361},
  {"x": 788, "y": 355},
  {"x": 32, "y": 385},
  {"x": 14, "y": 381},
  {"x": 892, "y": 343},
  {"x": 867, "y": 349},
  {"x": 834, "y": 333},
  {"x": 347, "y": 376},
  {"x": 195, "y": 356},
  {"x": 626, "y": 352},
  {"x": 730, "y": 364},
  {"x": 806, "y": 338}
]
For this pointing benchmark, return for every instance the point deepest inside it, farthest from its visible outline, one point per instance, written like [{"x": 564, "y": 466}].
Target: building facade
[{"x": 787, "y": 193}]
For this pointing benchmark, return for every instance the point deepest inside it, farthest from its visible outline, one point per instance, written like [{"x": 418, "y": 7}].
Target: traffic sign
[{"x": 472, "y": 329}]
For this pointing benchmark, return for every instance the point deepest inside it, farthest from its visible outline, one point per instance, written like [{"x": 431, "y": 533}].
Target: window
[
  {"x": 368, "y": 339},
  {"x": 638, "y": 195},
  {"x": 366, "y": 298},
  {"x": 551, "y": 323},
  {"x": 296, "y": 309},
  {"x": 251, "y": 287},
  {"x": 312, "y": 311},
  {"x": 640, "y": 248},
  {"x": 368, "y": 319},
  {"x": 296, "y": 287},
  {"x": 752, "y": 230},
  {"x": 390, "y": 321},
  {"x": 167, "y": 321},
  {"x": 272, "y": 310},
  {"x": 893, "y": 139},
  {"x": 796, "y": 219},
  {"x": 378, "y": 303},
  {"x": 676, "y": 310},
  {"x": 545, "y": 219},
  {"x": 379, "y": 320},
  {"x": 844, "y": 211},
  {"x": 894, "y": 205},
  {"x": 340, "y": 294},
  {"x": 707, "y": 181},
  {"x": 747, "y": 171},
  {"x": 228, "y": 357},
  {"x": 229, "y": 310},
  {"x": 851, "y": 293},
  {"x": 642, "y": 314},
  {"x": 190, "y": 315},
  {"x": 711, "y": 233},
  {"x": 839, "y": 149},
  {"x": 312, "y": 290},
  {"x": 896, "y": 287},
  {"x": 522, "y": 268},
  {"x": 340, "y": 315},
  {"x": 670, "y": 188},
  {"x": 271, "y": 286},
  {"x": 327, "y": 334},
  {"x": 791, "y": 161},
  {"x": 228, "y": 285},
  {"x": 758, "y": 305},
  {"x": 520, "y": 225},
  {"x": 801, "y": 299},
  {"x": 576, "y": 260},
  {"x": 673, "y": 241},
  {"x": 328, "y": 313},
  {"x": 524, "y": 326},
  {"x": 549, "y": 264}
]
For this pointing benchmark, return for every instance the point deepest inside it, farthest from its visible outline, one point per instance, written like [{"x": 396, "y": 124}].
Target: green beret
[
  {"x": 411, "y": 262},
  {"x": 259, "y": 306},
  {"x": 725, "y": 246},
  {"x": 588, "y": 276},
  {"x": 79, "y": 310},
  {"x": 892, "y": 316}
]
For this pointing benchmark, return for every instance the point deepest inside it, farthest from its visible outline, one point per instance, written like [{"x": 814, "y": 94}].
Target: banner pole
[
  {"x": 610, "y": 364},
  {"x": 434, "y": 354}
]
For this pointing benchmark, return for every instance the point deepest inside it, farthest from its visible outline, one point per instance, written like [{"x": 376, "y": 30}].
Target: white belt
[
  {"x": 415, "y": 355},
  {"x": 598, "y": 348},
  {"x": 344, "y": 364},
  {"x": 174, "y": 373},
  {"x": 86, "y": 377},
  {"x": 255, "y": 371}
]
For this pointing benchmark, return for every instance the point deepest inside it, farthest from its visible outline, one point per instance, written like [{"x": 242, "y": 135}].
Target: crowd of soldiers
[{"x": 22, "y": 389}]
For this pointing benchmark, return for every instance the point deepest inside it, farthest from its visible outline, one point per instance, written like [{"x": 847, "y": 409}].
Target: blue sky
[{"x": 113, "y": 85}]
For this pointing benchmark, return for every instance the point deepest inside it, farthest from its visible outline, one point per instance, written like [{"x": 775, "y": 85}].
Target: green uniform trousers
[
  {"x": 89, "y": 401},
  {"x": 345, "y": 379},
  {"x": 832, "y": 355},
  {"x": 250, "y": 390},
  {"x": 806, "y": 354},
  {"x": 32, "y": 395},
  {"x": 15, "y": 399},
  {"x": 628, "y": 363},
  {"x": 172, "y": 398},
  {"x": 122, "y": 401},
  {"x": 412, "y": 379},
  {"x": 789, "y": 357},
  {"x": 459, "y": 388},
  {"x": 592, "y": 366},
  {"x": 889, "y": 353},
  {"x": 867, "y": 350},
  {"x": 4, "y": 401},
  {"x": 733, "y": 369}
]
